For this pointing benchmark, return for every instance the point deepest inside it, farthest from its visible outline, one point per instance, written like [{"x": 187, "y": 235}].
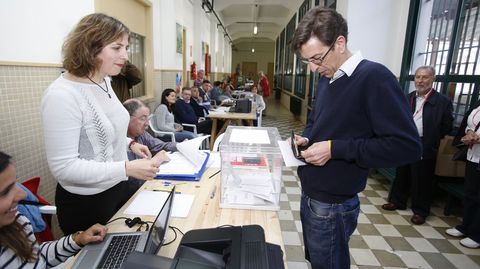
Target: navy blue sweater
[
  {"x": 368, "y": 119},
  {"x": 184, "y": 113}
]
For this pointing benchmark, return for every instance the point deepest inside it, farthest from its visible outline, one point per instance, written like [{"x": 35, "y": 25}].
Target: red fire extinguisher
[{"x": 193, "y": 71}]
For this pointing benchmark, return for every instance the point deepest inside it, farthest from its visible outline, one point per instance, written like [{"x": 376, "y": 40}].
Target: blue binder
[{"x": 188, "y": 177}]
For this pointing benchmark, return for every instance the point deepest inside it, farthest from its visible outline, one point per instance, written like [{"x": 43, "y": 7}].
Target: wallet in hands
[{"x": 296, "y": 148}]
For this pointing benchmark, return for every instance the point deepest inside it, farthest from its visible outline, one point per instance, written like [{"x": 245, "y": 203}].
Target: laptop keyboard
[{"x": 118, "y": 250}]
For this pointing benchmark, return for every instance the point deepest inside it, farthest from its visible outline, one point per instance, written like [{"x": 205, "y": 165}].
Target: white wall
[
  {"x": 200, "y": 27},
  {"x": 264, "y": 54},
  {"x": 164, "y": 35},
  {"x": 377, "y": 28},
  {"x": 33, "y": 31}
]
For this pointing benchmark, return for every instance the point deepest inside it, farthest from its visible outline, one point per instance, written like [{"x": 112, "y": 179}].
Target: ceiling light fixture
[
  {"x": 253, "y": 50},
  {"x": 255, "y": 29}
]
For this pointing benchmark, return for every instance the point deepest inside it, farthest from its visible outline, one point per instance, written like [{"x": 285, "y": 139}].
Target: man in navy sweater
[
  {"x": 185, "y": 112},
  {"x": 432, "y": 113},
  {"x": 359, "y": 120}
]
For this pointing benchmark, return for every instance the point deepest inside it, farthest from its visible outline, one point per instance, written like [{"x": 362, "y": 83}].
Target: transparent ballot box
[{"x": 251, "y": 168}]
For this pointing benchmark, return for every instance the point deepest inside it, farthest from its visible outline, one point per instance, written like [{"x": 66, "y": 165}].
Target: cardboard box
[{"x": 445, "y": 166}]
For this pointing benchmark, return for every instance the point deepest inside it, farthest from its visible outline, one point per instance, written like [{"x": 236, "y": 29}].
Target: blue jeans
[
  {"x": 326, "y": 231},
  {"x": 180, "y": 136}
]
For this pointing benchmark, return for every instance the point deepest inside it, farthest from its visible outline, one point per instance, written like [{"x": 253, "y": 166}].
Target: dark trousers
[
  {"x": 471, "y": 204},
  {"x": 133, "y": 185},
  {"x": 204, "y": 127},
  {"x": 416, "y": 179},
  {"x": 78, "y": 212}
]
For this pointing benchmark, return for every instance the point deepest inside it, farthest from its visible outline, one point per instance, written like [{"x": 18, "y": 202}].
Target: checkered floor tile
[{"x": 383, "y": 239}]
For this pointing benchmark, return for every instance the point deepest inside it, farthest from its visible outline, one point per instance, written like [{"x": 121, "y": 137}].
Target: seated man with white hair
[{"x": 137, "y": 126}]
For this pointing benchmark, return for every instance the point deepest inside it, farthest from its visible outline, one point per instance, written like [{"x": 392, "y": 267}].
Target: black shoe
[
  {"x": 389, "y": 206},
  {"x": 417, "y": 219}
]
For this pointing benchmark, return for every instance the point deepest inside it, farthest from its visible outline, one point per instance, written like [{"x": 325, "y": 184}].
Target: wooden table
[
  {"x": 227, "y": 117},
  {"x": 204, "y": 213}
]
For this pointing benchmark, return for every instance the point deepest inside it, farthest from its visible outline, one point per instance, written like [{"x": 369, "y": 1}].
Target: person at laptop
[
  {"x": 85, "y": 127},
  {"x": 19, "y": 247},
  {"x": 139, "y": 113}
]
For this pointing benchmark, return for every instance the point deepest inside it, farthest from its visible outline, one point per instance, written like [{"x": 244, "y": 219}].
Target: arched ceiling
[{"x": 240, "y": 16}]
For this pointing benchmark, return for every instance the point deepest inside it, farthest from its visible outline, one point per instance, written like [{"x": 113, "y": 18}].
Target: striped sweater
[{"x": 49, "y": 254}]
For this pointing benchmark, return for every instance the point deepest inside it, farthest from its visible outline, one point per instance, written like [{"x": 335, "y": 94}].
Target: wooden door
[{"x": 249, "y": 71}]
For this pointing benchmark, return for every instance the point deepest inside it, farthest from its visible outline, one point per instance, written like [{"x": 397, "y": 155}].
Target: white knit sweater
[{"x": 85, "y": 136}]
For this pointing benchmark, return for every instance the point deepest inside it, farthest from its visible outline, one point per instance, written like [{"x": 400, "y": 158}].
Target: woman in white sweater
[
  {"x": 18, "y": 246},
  {"x": 85, "y": 127},
  {"x": 164, "y": 119}
]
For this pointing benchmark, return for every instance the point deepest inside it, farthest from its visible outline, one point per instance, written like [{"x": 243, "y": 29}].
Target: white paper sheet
[
  {"x": 190, "y": 149},
  {"x": 214, "y": 161},
  {"x": 187, "y": 160},
  {"x": 287, "y": 154},
  {"x": 250, "y": 136},
  {"x": 178, "y": 164},
  {"x": 150, "y": 203}
]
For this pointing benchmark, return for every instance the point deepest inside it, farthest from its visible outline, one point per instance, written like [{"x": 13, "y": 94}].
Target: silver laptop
[{"x": 114, "y": 249}]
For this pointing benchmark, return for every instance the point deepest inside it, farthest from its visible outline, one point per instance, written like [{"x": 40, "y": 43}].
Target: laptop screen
[{"x": 160, "y": 226}]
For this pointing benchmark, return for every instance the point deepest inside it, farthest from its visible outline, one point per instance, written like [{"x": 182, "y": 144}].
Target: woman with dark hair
[
  {"x": 164, "y": 119},
  {"x": 85, "y": 127},
  {"x": 18, "y": 246}
]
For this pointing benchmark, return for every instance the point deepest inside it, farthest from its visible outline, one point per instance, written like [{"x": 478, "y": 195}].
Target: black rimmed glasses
[{"x": 316, "y": 59}]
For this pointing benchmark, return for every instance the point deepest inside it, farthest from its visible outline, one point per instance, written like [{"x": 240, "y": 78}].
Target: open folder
[{"x": 188, "y": 163}]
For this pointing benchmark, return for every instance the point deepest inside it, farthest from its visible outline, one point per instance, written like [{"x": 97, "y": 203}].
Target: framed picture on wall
[{"x": 179, "y": 38}]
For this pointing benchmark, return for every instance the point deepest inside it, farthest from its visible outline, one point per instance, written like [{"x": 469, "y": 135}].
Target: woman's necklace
[{"x": 106, "y": 87}]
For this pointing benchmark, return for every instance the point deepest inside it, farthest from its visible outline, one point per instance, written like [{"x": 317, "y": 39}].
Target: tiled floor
[{"x": 383, "y": 239}]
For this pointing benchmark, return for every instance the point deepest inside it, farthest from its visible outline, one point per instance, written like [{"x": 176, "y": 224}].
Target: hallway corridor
[{"x": 383, "y": 239}]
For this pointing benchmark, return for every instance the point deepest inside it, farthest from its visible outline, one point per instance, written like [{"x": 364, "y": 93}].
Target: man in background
[
  {"x": 137, "y": 127},
  {"x": 263, "y": 84},
  {"x": 125, "y": 80},
  {"x": 432, "y": 113},
  {"x": 204, "y": 92},
  {"x": 185, "y": 113},
  {"x": 200, "y": 77}
]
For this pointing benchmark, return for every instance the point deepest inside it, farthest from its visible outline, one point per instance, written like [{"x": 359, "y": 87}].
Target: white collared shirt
[
  {"x": 348, "y": 66},
  {"x": 418, "y": 114}
]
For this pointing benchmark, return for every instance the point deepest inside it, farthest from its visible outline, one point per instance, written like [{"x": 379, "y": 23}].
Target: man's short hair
[
  {"x": 206, "y": 81},
  {"x": 323, "y": 23},
  {"x": 186, "y": 89},
  {"x": 132, "y": 105},
  {"x": 427, "y": 67}
]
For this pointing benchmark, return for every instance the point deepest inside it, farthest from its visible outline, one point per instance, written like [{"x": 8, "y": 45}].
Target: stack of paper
[
  {"x": 187, "y": 164},
  {"x": 250, "y": 184},
  {"x": 149, "y": 203}
]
